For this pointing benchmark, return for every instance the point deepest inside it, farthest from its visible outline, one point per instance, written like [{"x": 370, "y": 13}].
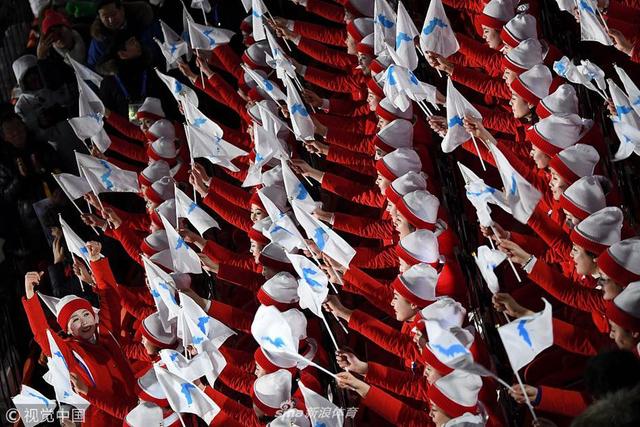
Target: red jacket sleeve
[
  {"x": 231, "y": 193},
  {"x": 375, "y": 258},
  {"x": 231, "y": 316},
  {"x": 125, "y": 127},
  {"x": 361, "y": 163},
  {"x": 135, "y": 302},
  {"x": 378, "y": 294},
  {"x": 221, "y": 255},
  {"x": 234, "y": 215},
  {"x": 327, "y": 10},
  {"x": 357, "y": 193},
  {"x": 564, "y": 402},
  {"x": 129, "y": 239},
  {"x": 383, "y": 335},
  {"x": 128, "y": 149},
  {"x": 357, "y": 143},
  {"x": 116, "y": 404},
  {"x": 347, "y": 107},
  {"x": 468, "y": 5},
  {"x": 579, "y": 340},
  {"x": 229, "y": 60},
  {"x": 364, "y": 226},
  {"x": 402, "y": 383},
  {"x": 222, "y": 92},
  {"x": 230, "y": 407},
  {"x": 395, "y": 411},
  {"x": 572, "y": 294},
  {"x": 37, "y": 321},
  {"x": 321, "y": 33},
  {"x": 336, "y": 82},
  {"x": 105, "y": 288},
  {"x": 480, "y": 55},
  {"x": 237, "y": 379},
  {"x": 244, "y": 278},
  {"x": 331, "y": 57},
  {"x": 498, "y": 120},
  {"x": 481, "y": 83}
]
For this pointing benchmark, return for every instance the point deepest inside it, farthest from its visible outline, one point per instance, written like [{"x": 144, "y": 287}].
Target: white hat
[
  {"x": 624, "y": 310},
  {"x": 276, "y": 193},
  {"x": 563, "y": 101},
  {"x": 148, "y": 413},
  {"x": 163, "y": 259},
  {"x": 163, "y": 149},
  {"x": 524, "y": 56},
  {"x": 555, "y": 133},
  {"x": 297, "y": 322},
  {"x": 161, "y": 190},
  {"x": 22, "y": 65},
  {"x": 574, "y": 162},
  {"x": 456, "y": 394},
  {"x": 270, "y": 391},
  {"x": 398, "y": 162},
  {"x": 397, "y": 134},
  {"x": 154, "y": 332},
  {"x": 156, "y": 170},
  {"x": 533, "y": 84},
  {"x": 599, "y": 230},
  {"x": 496, "y": 14},
  {"x": 445, "y": 310},
  {"x": 155, "y": 242},
  {"x": 583, "y": 197},
  {"x": 254, "y": 55},
  {"x": 280, "y": 291},
  {"x": 150, "y": 109},
  {"x": 420, "y": 208},
  {"x": 519, "y": 28},
  {"x": 249, "y": 81},
  {"x": 421, "y": 246},
  {"x": 163, "y": 128},
  {"x": 291, "y": 418},
  {"x": 150, "y": 389},
  {"x": 390, "y": 112},
  {"x": 167, "y": 209},
  {"x": 267, "y": 104},
  {"x": 273, "y": 177},
  {"x": 410, "y": 181},
  {"x": 417, "y": 285},
  {"x": 365, "y": 46},
  {"x": 275, "y": 257},
  {"x": 69, "y": 304},
  {"x": 359, "y": 28},
  {"x": 434, "y": 358},
  {"x": 621, "y": 261}
]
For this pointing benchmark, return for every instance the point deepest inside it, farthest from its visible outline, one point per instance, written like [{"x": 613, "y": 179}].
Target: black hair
[
  {"x": 611, "y": 371},
  {"x": 102, "y": 3},
  {"x": 619, "y": 409}
]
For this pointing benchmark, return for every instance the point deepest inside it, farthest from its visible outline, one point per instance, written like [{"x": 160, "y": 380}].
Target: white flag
[
  {"x": 624, "y": 110},
  {"x": 75, "y": 244},
  {"x": 74, "y": 186},
  {"x": 269, "y": 87},
  {"x": 257, "y": 15},
  {"x": 444, "y": 344},
  {"x": 313, "y": 284},
  {"x": 303, "y": 126},
  {"x": 273, "y": 333},
  {"x": 199, "y": 120},
  {"x": 29, "y": 399},
  {"x": 406, "y": 32},
  {"x": 296, "y": 191},
  {"x": 593, "y": 73},
  {"x": 626, "y": 123},
  {"x": 212, "y": 147},
  {"x": 181, "y": 92},
  {"x": 85, "y": 73},
  {"x": 567, "y": 69},
  {"x": 322, "y": 412},
  {"x": 487, "y": 260},
  {"x": 277, "y": 59},
  {"x": 59, "y": 377},
  {"x": 202, "y": 37},
  {"x": 163, "y": 291},
  {"x": 457, "y": 108},
  {"x": 185, "y": 259},
  {"x": 86, "y": 127},
  {"x": 401, "y": 86},
  {"x": 526, "y": 337},
  {"x": 384, "y": 26},
  {"x": 591, "y": 26},
  {"x": 173, "y": 47},
  {"x": 630, "y": 87},
  {"x": 327, "y": 240},
  {"x": 480, "y": 195},
  {"x": 202, "y": 327},
  {"x": 88, "y": 101},
  {"x": 267, "y": 145},
  {"x": 201, "y": 4},
  {"x": 184, "y": 396},
  {"x": 629, "y": 140},
  {"x": 520, "y": 195},
  {"x": 107, "y": 176},
  {"x": 437, "y": 35},
  {"x": 189, "y": 369},
  {"x": 282, "y": 230},
  {"x": 187, "y": 208}
]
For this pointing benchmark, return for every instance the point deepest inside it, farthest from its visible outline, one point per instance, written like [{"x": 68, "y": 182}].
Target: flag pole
[
  {"x": 475, "y": 144},
  {"x": 333, "y": 339},
  {"x": 526, "y": 397},
  {"x": 312, "y": 363},
  {"x": 513, "y": 267}
]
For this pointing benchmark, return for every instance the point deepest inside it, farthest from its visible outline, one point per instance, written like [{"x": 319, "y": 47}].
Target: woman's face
[
  {"x": 403, "y": 227},
  {"x": 585, "y": 264},
  {"x": 351, "y": 45},
  {"x": 570, "y": 220},
  {"x": 492, "y": 37},
  {"x": 14, "y": 132},
  {"x": 610, "y": 289},
  {"x": 404, "y": 309},
  {"x": 379, "y": 154},
  {"x": 382, "y": 183},
  {"x": 146, "y": 124},
  {"x": 268, "y": 272},
  {"x": 431, "y": 374},
  {"x": 150, "y": 348},
  {"x": 382, "y": 122},
  {"x": 557, "y": 184},
  {"x": 519, "y": 106},
  {"x": 257, "y": 213},
  {"x": 402, "y": 265},
  {"x": 438, "y": 417},
  {"x": 255, "y": 249},
  {"x": 82, "y": 324},
  {"x": 539, "y": 157},
  {"x": 624, "y": 339},
  {"x": 364, "y": 61},
  {"x": 393, "y": 211},
  {"x": 259, "y": 372},
  {"x": 372, "y": 100}
]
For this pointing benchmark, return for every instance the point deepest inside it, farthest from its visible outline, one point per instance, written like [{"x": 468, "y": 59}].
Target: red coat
[
  {"x": 231, "y": 316},
  {"x": 231, "y": 213},
  {"x": 336, "y": 58},
  {"x": 395, "y": 411},
  {"x": 357, "y": 193},
  {"x": 564, "y": 402},
  {"x": 321, "y": 33},
  {"x": 327, "y": 10}
]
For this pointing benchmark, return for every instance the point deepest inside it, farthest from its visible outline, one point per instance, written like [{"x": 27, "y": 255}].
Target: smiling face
[
  {"x": 404, "y": 309},
  {"x": 145, "y": 124},
  {"x": 351, "y": 45},
  {"x": 584, "y": 263},
  {"x": 610, "y": 288},
  {"x": 624, "y": 339},
  {"x": 492, "y": 37},
  {"x": 111, "y": 16},
  {"x": 557, "y": 184},
  {"x": 519, "y": 106},
  {"x": 82, "y": 324},
  {"x": 257, "y": 213},
  {"x": 431, "y": 374},
  {"x": 539, "y": 157},
  {"x": 372, "y": 100},
  {"x": 403, "y": 227},
  {"x": 437, "y": 415}
]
